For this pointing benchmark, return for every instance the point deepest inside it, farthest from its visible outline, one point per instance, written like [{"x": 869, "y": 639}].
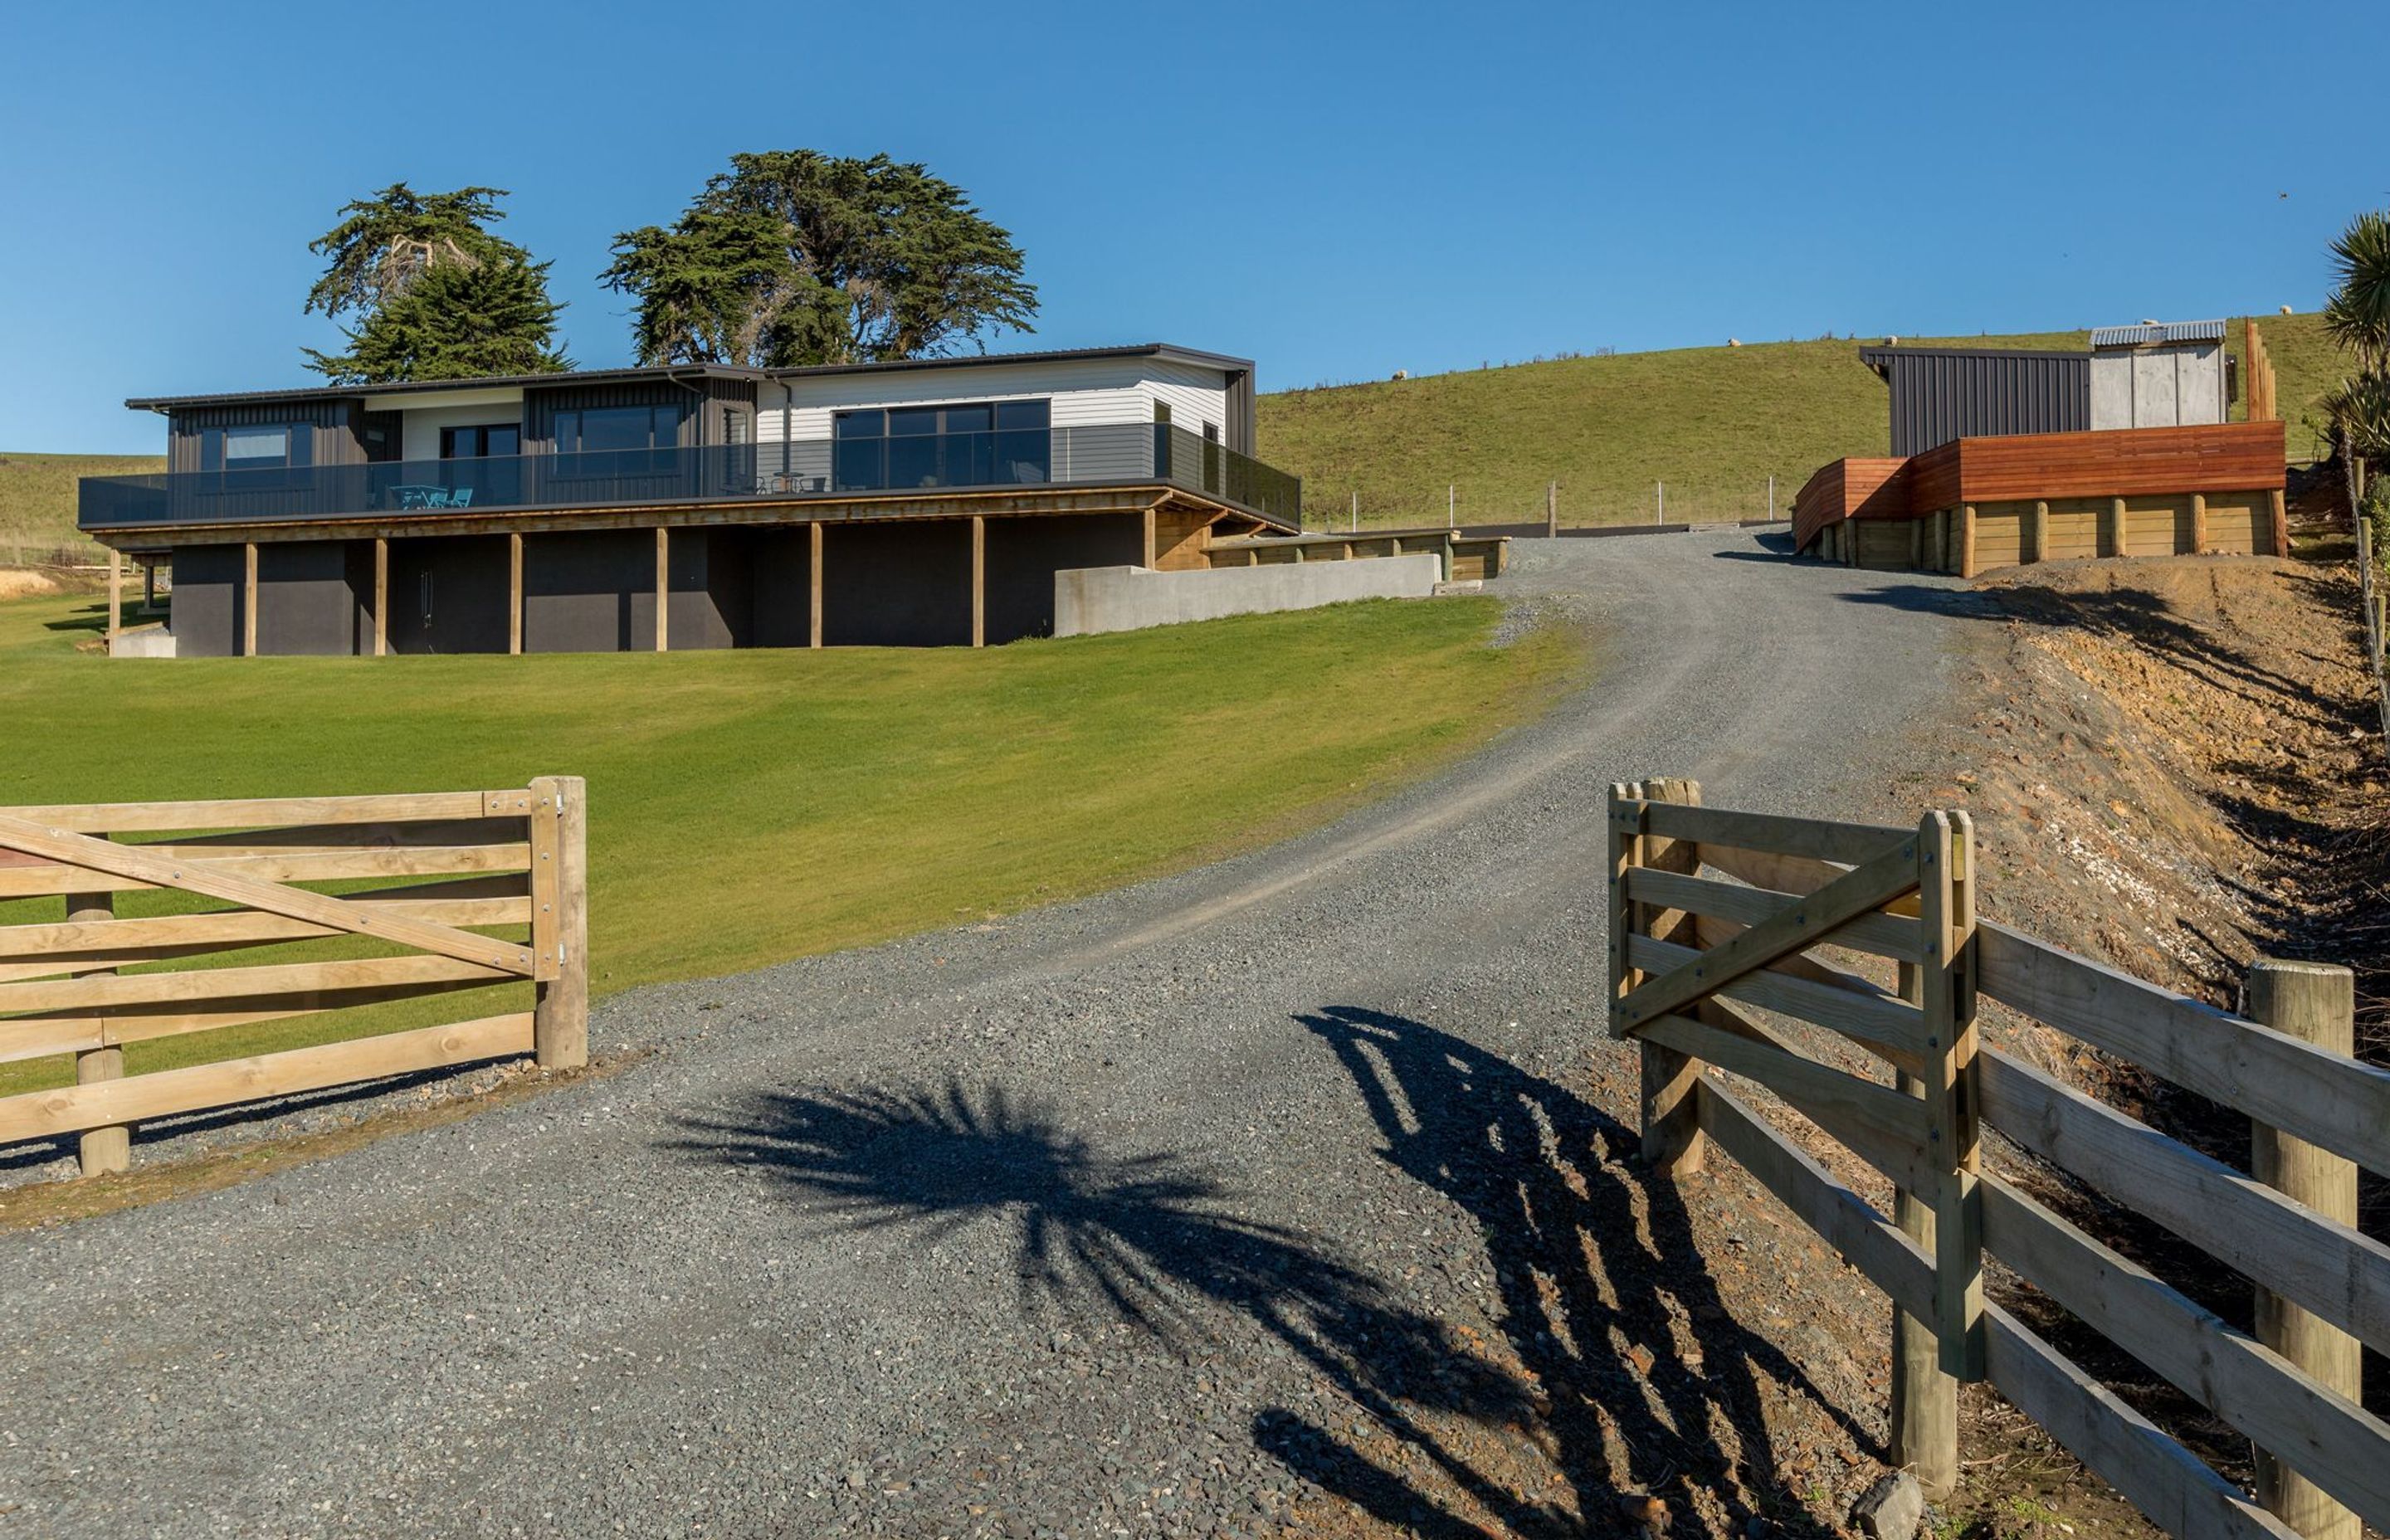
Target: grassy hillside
[
  {"x": 750, "y": 806},
  {"x": 37, "y": 502},
  {"x": 1711, "y": 423}
]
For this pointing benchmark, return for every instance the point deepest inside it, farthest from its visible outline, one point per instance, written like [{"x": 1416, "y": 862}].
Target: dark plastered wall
[
  {"x": 780, "y": 573},
  {"x": 590, "y": 591},
  {"x": 206, "y": 612},
  {"x": 902, "y": 583},
  {"x": 308, "y": 601},
  {"x": 1024, "y": 554},
  {"x": 708, "y": 581},
  {"x": 465, "y": 580},
  {"x": 596, "y": 591}
]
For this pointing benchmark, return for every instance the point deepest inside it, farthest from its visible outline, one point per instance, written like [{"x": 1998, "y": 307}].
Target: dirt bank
[{"x": 2170, "y": 769}]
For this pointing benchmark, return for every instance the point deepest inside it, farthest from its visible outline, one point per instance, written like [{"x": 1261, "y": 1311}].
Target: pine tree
[{"x": 455, "y": 321}]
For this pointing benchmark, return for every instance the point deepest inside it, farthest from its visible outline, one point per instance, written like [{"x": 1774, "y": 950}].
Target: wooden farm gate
[
  {"x": 88, "y": 982},
  {"x": 1693, "y": 955}
]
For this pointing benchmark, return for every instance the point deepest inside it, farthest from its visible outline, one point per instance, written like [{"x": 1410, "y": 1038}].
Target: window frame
[
  {"x": 866, "y": 447},
  {"x": 256, "y": 472},
  {"x": 660, "y": 456}
]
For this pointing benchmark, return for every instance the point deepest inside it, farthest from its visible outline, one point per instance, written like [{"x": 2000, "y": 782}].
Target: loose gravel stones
[{"x": 1289, "y": 1190}]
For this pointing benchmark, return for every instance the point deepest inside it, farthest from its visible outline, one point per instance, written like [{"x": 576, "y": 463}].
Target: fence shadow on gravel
[{"x": 1518, "y": 1154}]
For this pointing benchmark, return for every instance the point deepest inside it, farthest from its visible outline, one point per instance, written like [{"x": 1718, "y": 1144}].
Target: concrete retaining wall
[
  {"x": 1087, "y": 600},
  {"x": 143, "y": 641}
]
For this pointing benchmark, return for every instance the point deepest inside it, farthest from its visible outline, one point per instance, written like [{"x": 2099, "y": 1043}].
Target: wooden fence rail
[
  {"x": 1691, "y": 955},
  {"x": 510, "y": 907}
]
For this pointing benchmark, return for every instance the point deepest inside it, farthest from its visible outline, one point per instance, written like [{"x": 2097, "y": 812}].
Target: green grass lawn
[
  {"x": 1712, "y": 423},
  {"x": 747, "y": 807},
  {"x": 37, "y": 501}
]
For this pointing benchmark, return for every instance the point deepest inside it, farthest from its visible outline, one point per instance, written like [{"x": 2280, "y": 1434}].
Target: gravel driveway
[{"x": 1278, "y": 1192}]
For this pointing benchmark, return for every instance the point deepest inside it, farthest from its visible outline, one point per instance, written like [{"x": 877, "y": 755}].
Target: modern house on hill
[{"x": 926, "y": 502}]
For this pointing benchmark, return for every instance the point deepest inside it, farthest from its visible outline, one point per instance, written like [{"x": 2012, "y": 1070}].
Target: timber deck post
[
  {"x": 382, "y": 597},
  {"x": 2113, "y": 536},
  {"x": 560, "y": 1005},
  {"x": 978, "y": 579},
  {"x": 514, "y": 594},
  {"x": 2316, "y": 1003},
  {"x": 115, "y": 593},
  {"x": 814, "y": 576},
  {"x": 248, "y": 600},
  {"x": 1967, "y": 540},
  {"x": 664, "y": 587},
  {"x": 2036, "y": 533},
  {"x": 2281, "y": 524},
  {"x": 99, "y": 1151},
  {"x": 2199, "y": 523}
]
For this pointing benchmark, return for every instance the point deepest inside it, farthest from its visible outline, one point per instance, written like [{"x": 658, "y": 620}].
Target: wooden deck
[{"x": 2009, "y": 473}]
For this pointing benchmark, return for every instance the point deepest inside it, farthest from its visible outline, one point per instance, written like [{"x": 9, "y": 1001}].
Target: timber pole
[{"x": 2316, "y": 1003}]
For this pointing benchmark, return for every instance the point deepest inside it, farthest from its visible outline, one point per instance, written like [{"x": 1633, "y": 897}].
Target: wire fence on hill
[
  {"x": 1327, "y": 506},
  {"x": 51, "y": 553}
]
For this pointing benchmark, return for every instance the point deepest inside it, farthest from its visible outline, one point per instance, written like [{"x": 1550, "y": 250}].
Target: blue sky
[{"x": 1336, "y": 191}]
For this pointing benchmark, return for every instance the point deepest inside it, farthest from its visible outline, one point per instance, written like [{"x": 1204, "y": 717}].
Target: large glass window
[
  {"x": 480, "y": 443},
  {"x": 259, "y": 446},
  {"x": 601, "y": 441},
  {"x": 976, "y": 443}
]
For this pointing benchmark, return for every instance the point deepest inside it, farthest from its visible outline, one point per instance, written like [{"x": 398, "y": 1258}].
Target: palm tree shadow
[
  {"x": 1148, "y": 1237},
  {"x": 1596, "y": 1269}
]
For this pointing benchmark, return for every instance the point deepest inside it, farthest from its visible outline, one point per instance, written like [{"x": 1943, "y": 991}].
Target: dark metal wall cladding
[
  {"x": 1939, "y": 397},
  {"x": 334, "y": 425}
]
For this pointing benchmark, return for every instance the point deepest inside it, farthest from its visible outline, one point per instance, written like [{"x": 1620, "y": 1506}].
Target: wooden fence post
[
  {"x": 1673, "y": 1141},
  {"x": 1551, "y": 510},
  {"x": 560, "y": 1011},
  {"x": 2317, "y": 1003},
  {"x": 1946, "y": 855},
  {"x": 1924, "y": 1398},
  {"x": 99, "y": 1151}
]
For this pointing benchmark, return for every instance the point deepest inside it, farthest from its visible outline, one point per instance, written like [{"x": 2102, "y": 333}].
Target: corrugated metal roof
[
  {"x": 2155, "y": 333},
  {"x": 396, "y": 387}
]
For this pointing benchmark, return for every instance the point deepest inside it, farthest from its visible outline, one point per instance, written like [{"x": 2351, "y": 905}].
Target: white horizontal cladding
[
  {"x": 1084, "y": 392},
  {"x": 1195, "y": 395}
]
